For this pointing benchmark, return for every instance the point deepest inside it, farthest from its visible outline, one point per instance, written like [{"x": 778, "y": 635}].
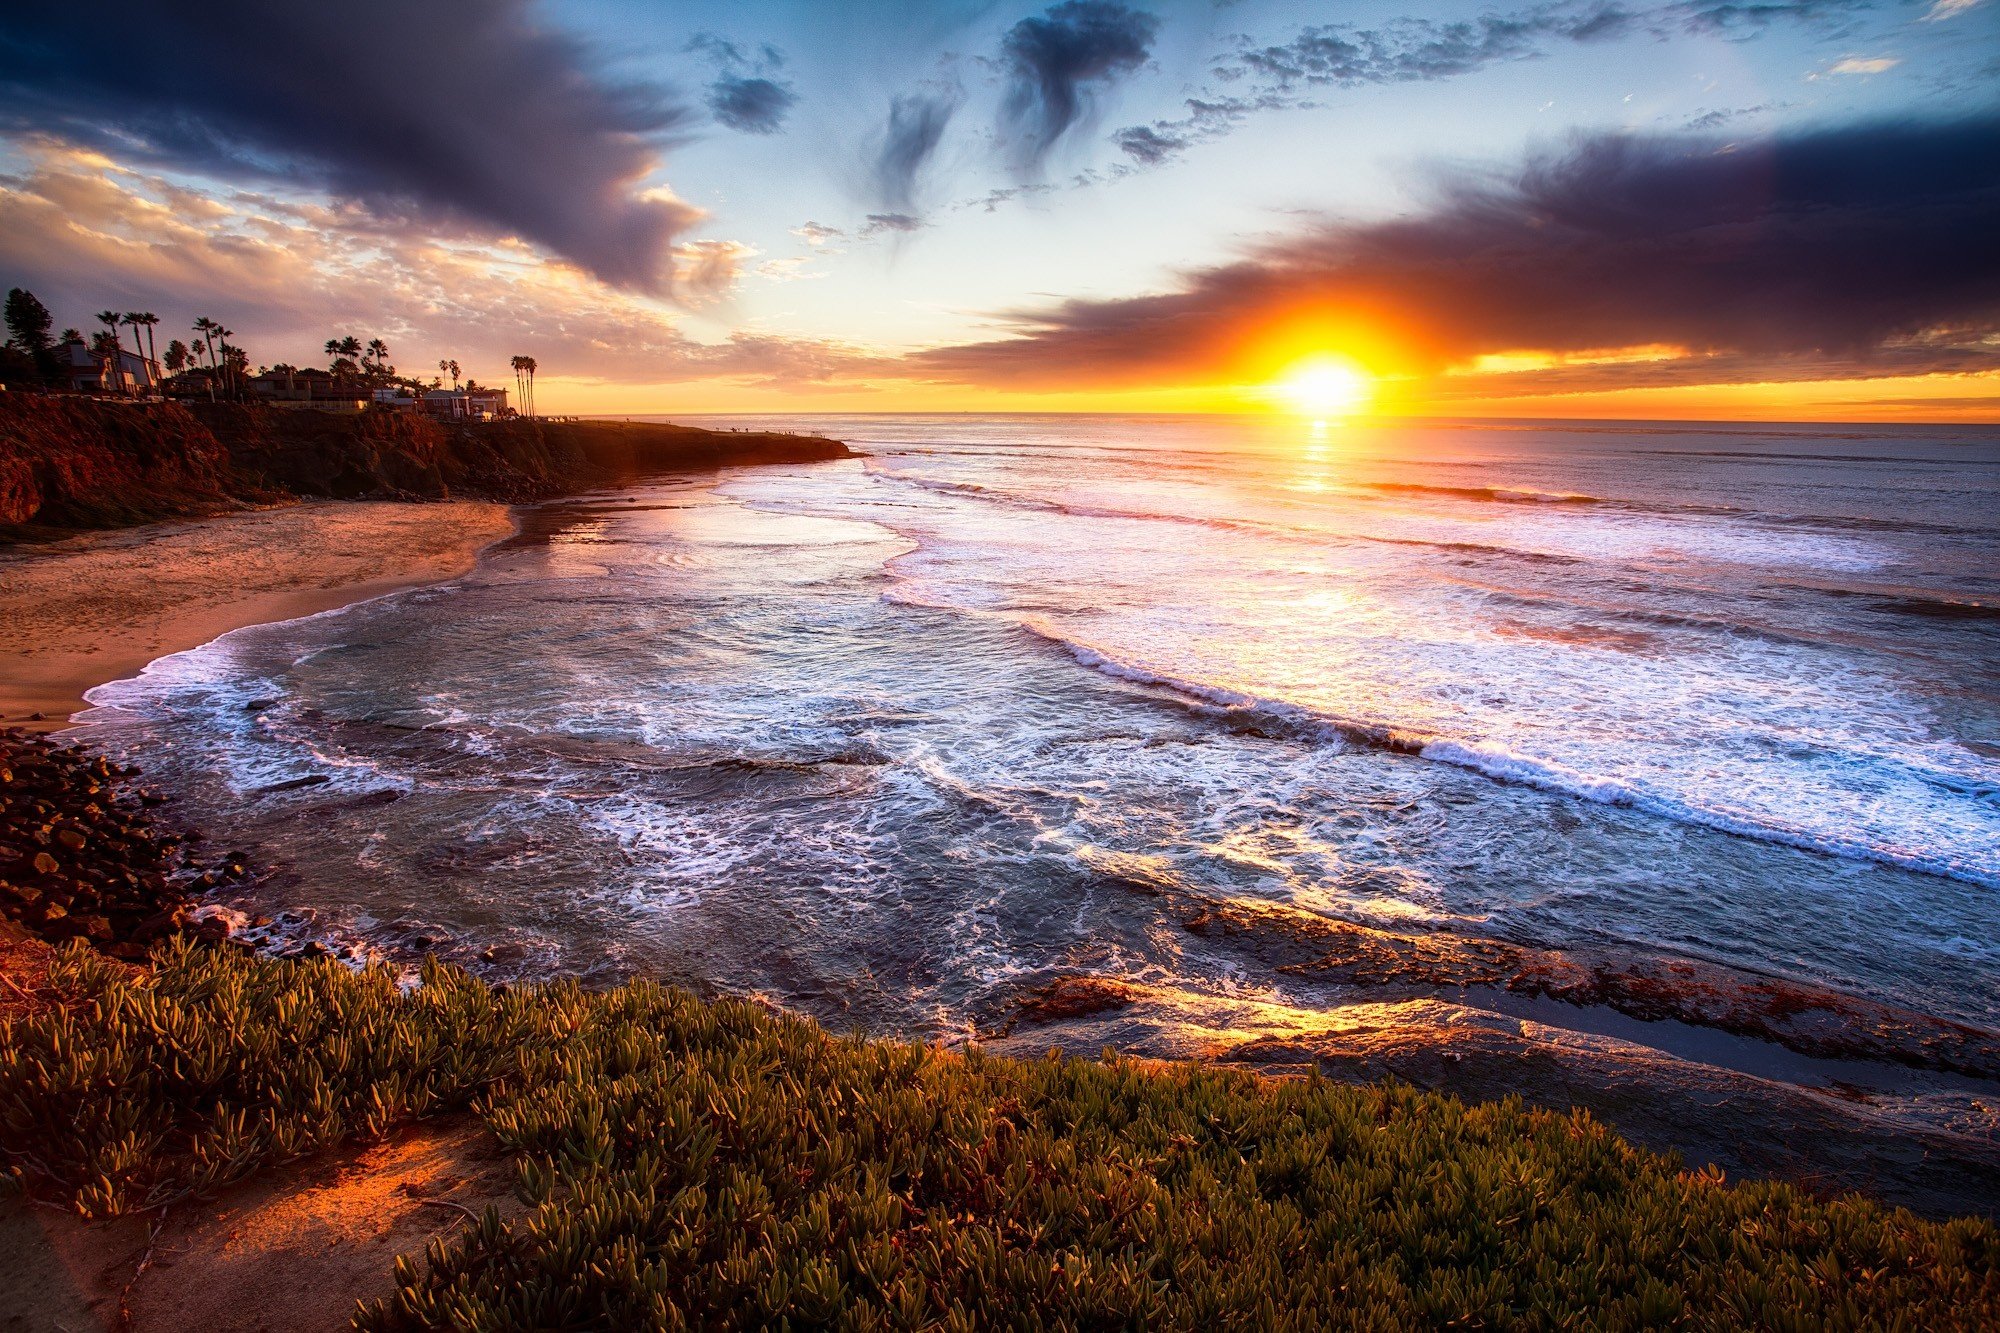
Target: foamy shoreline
[{"x": 101, "y": 606}]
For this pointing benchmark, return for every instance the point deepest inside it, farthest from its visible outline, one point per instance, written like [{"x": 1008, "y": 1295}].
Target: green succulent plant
[{"x": 715, "y": 1165}]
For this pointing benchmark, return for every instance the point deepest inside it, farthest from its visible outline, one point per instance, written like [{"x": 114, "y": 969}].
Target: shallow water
[{"x": 887, "y": 739}]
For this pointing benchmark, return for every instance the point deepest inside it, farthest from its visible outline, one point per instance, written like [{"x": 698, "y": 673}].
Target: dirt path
[{"x": 290, "y": 1251}]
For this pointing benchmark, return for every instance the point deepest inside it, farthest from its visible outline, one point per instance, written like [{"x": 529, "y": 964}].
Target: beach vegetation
[
  {"x": 30, "y": 352},
  {"x": 691, "y": 1163}
]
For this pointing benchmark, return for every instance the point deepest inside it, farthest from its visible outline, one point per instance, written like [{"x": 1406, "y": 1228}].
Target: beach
[{"x": 99, "y": 606}]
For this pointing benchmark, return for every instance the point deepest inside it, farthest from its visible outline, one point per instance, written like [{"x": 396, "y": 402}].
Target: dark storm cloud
[
  {"x": 755, "y": 106},
  {"x": 916, "y": 125},
  {"x": 465, "y": 110},
  {"x": 1857, "y": 250},
  {"x": 743, "y": 95},
  {"x": 1054, "y": 58}
]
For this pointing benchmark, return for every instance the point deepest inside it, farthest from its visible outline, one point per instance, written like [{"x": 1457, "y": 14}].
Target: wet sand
[{"x": 100, "y": 606}]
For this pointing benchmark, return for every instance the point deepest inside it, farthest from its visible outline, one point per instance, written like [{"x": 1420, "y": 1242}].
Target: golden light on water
[{"x": 1327, "y": 386}]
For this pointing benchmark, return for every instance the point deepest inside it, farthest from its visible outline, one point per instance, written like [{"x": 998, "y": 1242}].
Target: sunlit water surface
[{"x": 888, "y": 739}]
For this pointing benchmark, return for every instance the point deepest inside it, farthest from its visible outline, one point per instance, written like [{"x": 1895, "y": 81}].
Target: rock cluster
[{"x": 81, "y": 857}]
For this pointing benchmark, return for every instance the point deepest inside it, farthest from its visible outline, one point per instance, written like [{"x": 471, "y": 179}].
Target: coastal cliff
[{"x": 71, "y": 463}]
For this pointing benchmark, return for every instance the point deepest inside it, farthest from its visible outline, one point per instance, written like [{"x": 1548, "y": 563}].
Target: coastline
[
  {"x": 100, "y": 606},
  {"x": 104, "y": 605},
  {"x": 359, "y": 1201}
]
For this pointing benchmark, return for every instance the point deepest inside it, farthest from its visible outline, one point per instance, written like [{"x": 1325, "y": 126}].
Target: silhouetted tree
[
  {"x": 107, "y": 349},
  {"x": 137, "y": 321},
  {"x": 149, "y": 321},
  {"x": 113, "y": 369},
  {"x": 28, "y": 323},
  {"x": 233, "y": 359},
  {"x": 177, "y": 357},
  {"x": 206, "y": 327}
]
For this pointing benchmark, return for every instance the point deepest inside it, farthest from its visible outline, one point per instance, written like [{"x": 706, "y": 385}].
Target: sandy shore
[{"x": 100, "y": 606}]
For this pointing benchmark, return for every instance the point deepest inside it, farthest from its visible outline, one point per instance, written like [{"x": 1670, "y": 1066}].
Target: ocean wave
[
  {"x": 1495, "y": 494},
  {"x": 1284, "y": 719},
  {"x": 1262, "y": 528},
  {"x": 1856, "y": 558}
]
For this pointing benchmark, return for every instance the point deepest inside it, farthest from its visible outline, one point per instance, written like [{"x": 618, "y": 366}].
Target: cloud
[
  {"x": 1858, "y": 250},
  {"x": 817, "y": 234},
  {"x": 899, "y": 223},
  {"x": 1053, "y": 60},
  {"x": 743, "y": 96},
  {"x": 1864, "y": 65},
  {"x": 520, "y": 131},
  {"x": 1279, "y": 76},
  {"x": 1207, "y": 118},
  {"x": 1408, "y": 50},
  {"x": 708, "y": 271},
  {"x": 916, "y": 124},
  {"x": 1149, "y": 145},
  {"x": 1945, "y": 9},
  {"x": 83, "y": 234},
  {"x": 755, "y": 106}
]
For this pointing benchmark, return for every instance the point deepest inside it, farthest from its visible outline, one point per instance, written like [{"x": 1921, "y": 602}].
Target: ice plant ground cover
[{"x": 698, "y": 1163}]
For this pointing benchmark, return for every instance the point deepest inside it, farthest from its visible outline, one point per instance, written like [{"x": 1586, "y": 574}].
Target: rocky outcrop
[
  {"x": 76, "y": 463},
  {"x": 69, "y": 463}
]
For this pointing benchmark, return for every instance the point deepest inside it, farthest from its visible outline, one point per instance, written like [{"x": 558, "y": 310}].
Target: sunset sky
[{"x": 1783, "y": 209}]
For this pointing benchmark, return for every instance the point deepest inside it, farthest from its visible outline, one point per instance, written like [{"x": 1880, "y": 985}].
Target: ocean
[{"x": 894, "y": 741}]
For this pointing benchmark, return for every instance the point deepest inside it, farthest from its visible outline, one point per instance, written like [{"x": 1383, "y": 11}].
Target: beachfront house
[
  {"x": 312, "y": 388},
  {"x": 87, "y": 372},
  {"x": 466, "y": 404}
]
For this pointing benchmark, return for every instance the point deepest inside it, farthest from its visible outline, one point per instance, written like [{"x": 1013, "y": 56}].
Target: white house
[
  {"x": 87, "y": 372},
  {"x": 456, "y": 404}
]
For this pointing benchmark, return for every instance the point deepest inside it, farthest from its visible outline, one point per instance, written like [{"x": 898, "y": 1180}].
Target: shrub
[{"x": 715, "y": 1165}]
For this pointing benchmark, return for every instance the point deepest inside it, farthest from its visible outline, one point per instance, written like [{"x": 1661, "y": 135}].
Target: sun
[{"x": 1326, "y": 386}]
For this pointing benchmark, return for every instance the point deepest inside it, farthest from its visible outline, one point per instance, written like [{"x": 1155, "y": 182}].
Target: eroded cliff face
[
  {"x": 68, "y": 463},
  {"x": 76, "y": 463}
]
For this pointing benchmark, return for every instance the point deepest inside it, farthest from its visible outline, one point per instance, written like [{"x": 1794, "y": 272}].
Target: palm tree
[
  {"x": 520, "y": 364},
  {"x": 140, "y": 320},
  {"x": 206, "y": 327},
  {"x": 332, "y": 350},
  {"x": 222, "y": 336},
  {"x": 350, "y": 347},
  {"x": 453, "y": 366},
  {"x": 152, "y": 322},
  {"x": 380, "y": 351},
  {"x": 115, "y": 369},
  {"x": 108, "y": 350},
  {"x": 177, "y": 356},
  {"x": 531, "y": 367}
]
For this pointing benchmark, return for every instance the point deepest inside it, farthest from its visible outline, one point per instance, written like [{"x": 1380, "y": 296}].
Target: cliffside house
[
  {"x": 307, "y": 388},
  {"x": 89, "y": 373},
  {"x": 448, "y": 404}
]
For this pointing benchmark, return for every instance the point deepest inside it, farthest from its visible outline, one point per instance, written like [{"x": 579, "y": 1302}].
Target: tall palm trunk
[{"x": 109, "y": 318}]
